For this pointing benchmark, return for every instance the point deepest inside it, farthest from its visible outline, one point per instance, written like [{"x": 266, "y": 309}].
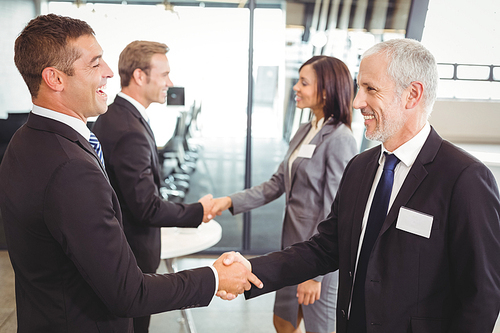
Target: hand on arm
[
  {"x": 308, "y": 292},
  {"x": 234, "y": 275},
  {"x": 208, "y": 205}
]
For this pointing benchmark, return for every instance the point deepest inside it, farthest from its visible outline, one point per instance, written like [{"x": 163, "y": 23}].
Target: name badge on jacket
[
  {"x": 306, "y": 151},
  {"x": 414, "y": 222}
]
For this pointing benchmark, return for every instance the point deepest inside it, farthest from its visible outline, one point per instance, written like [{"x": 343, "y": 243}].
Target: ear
[
  {"x": 53, "y": 78},
  {"x": 415, "y": 94},
  {"x": 139, "y": 76}
]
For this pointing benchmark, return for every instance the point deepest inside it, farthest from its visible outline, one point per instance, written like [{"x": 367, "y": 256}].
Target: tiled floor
[{"x": 7, "y": 299}]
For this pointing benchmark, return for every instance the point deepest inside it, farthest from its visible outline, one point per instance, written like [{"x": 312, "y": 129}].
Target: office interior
[{"x": 228, "y": 120}]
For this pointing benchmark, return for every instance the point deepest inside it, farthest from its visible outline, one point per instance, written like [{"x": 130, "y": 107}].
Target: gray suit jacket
[{"x": 313, "y": 184}]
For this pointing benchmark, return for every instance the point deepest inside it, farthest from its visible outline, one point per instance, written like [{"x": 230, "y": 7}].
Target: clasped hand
[
  {"x": 214, "y": 207},
  {"x": 235, "y": 275}
]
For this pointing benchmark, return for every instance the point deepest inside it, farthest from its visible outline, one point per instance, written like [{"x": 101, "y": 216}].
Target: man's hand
[
  {"x": 208, "y": 205},
  {"x": 308, "y": 292},
  {"x": 234, "y": 275},
  {"x": 220, "y": 205}
]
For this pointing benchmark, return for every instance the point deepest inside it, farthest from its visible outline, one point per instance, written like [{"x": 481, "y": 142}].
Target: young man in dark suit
[
  {"x": 74, "y": 269},
  {"x": 132, "y": 161},
  {"x": 425, "y": 260}
]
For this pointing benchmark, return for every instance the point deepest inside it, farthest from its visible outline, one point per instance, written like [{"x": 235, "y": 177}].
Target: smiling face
[
  {"x": 83, "y": 92},
  {"x": 380, "y": 105},
  {"x": 306, "y": 94},
  {"x": 158, "y": 80}
]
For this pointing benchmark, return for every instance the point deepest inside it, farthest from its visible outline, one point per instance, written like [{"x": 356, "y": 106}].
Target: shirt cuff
[{"x": 216, "y": 279}]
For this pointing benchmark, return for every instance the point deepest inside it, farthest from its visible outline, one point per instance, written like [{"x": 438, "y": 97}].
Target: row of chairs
[{"x": 180, "y": 154}]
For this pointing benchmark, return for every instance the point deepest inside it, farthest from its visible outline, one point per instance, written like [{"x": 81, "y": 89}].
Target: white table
[{"x": 178, "y": 242}]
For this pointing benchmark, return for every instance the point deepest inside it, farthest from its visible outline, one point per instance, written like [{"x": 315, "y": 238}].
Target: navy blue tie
[
  {"x": 97, "y": 146},
  {"x": 378, "y": 213}
]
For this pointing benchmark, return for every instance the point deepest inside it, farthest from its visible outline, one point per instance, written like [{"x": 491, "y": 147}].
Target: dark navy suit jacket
[
  {"x": 449, "y": 282},
  {"x": 74, "y": 270},
  {"x": 133, "y": 166}
]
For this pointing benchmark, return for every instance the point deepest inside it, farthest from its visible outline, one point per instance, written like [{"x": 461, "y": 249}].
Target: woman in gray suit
[{"x": 309, "y": 175}]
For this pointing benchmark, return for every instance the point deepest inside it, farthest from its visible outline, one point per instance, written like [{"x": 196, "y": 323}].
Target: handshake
[
  {"x": 235, "y": 272},
  {"x": 235, "y": 275},
  {"x": 214, "y": 207}
]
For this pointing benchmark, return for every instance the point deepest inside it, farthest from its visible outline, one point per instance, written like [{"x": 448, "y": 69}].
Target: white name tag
[
  {"x": 306, "y": 151},
  {"x": 414, "y": 222}
]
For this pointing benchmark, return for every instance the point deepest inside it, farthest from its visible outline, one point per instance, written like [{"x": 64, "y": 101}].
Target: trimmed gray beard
[{"x": 392, "y": 120}]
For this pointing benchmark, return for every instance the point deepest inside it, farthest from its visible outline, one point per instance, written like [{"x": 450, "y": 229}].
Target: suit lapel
[
  {"x": 417, "y": 174},
  {"x": 132, "y": 109},
  {"x": 86, "y": 146},
  {"x": 361, "y": 200},
  {"x": 316, "y": 140},
  {"x": 57, "y": 127},
  {"x": 296, "y": 140}
]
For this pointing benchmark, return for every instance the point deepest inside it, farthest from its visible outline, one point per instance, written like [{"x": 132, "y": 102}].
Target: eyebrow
[
  {"x": 95, "y": 58},
  {"x": 365, "y": 84}
]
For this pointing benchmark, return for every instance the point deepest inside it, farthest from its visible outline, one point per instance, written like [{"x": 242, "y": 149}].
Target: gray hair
[{"x": 408, "y": 61}]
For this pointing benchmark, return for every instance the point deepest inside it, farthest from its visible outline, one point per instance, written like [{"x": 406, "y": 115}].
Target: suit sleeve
[
  {"x": 132, "y": 162},
  {"x": 301, "y": 261},
  {"x": 474, "y": 250},
  {"x": 79, "y": 214},
  {"x": 259, "y": 195}
]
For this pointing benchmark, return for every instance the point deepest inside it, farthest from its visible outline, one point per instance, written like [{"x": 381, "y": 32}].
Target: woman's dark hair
[{"x": 334, "y": 82}]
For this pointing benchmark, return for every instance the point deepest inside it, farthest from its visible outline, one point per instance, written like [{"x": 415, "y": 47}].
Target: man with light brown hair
[
  {"x": 132, "y": 161},
  {"x": 74, "y": 270}
]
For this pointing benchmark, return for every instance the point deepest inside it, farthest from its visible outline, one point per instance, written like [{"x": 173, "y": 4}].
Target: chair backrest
[{"x": 10, "y": 125}]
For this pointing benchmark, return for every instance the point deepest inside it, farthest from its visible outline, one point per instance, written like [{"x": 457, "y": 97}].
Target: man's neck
[
  {"x": 135, "y": 94},
  {"x": 55, "y": 105}
]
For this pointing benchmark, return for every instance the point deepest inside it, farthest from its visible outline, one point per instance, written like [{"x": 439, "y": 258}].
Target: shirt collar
[
  {"x": 138, "y": 106},
  {"x": 408, "y": 152},
  {"x": 73, "y": 122},
  {"x": 317, "y": 123}
]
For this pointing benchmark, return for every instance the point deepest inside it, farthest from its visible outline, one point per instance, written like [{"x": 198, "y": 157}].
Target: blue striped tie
[{"x": 97, "y": 146}]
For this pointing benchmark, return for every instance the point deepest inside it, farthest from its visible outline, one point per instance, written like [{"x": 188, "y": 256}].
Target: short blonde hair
[{"x": 138, "y": 54}]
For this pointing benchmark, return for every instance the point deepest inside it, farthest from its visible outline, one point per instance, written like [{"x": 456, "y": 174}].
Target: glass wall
[{"x": 210, "y": 44}]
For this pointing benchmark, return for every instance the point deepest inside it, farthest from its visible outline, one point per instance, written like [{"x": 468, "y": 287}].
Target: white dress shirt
[{"x": 73, "y": 122}]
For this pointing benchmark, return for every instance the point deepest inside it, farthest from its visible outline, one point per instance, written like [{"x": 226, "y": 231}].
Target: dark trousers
[{"x": 141, "y": 324}]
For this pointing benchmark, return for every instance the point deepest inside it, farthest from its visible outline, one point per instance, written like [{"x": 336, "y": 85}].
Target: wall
[
  {"x": 14, "y": 95},
  {"x": 467, "y": 121}
]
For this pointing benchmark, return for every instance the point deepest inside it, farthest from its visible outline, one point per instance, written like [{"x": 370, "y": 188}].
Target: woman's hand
[{"x": 308, "y": 292}]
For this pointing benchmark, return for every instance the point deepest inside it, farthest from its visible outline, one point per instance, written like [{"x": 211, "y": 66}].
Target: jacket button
[
  {"x": 350, "y": 273},
  {"x": 343, "y": 314}
]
